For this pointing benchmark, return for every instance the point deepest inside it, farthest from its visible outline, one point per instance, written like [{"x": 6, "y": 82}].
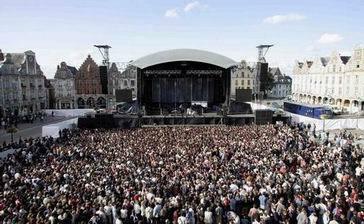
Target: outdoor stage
[
  {"x": 129, "y": 121},
  {"x": 182, "y": 87},
  {"x": 179, "y": 79}
]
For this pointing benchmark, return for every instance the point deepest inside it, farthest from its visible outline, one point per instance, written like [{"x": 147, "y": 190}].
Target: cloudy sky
[{"x": 66, "y": 30}]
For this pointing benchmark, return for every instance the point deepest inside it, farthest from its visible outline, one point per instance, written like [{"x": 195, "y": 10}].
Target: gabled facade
[
  {"x": 336, "y": 80},
  {"x": 242, "y": 77},
  {"x": 88, "y": 86},
  {"x": 64, "y": 86},
  {"x": 122, "y": 79},
  {"x": 22, "y": 84},
  {"x": 281, "y": 86}
]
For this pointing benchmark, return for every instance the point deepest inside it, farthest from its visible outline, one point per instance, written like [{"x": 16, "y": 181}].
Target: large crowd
[
  {"x": 13, "y": 120},
  {"x": 185, "y": 175}
]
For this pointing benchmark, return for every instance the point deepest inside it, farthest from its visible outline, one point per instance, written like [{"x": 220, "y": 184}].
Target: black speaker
[
  {"x": 105, "y": 120},
  {"x": 243, "y": 95},
  {"x": 103, "y": 79},
  {"x": 263, "y": 70},
  {"x": 263, "y": 74},
  {"x": 240, "y": 108},
  {"x": 124, "y": 95},
  {"x": 263, "y": 116}
]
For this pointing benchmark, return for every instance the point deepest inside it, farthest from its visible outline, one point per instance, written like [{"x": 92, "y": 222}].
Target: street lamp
[
  {"x": 359, "y": 99},
  {"x": 12, "y": 130}
]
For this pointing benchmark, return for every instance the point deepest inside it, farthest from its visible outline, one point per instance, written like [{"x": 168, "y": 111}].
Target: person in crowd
[{"x": 184, "y": 175}]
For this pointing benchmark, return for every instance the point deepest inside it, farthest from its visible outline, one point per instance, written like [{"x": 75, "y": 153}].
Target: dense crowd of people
[
  {"x": 185, "y": 175},
  {"x": 13, "y": 120}
]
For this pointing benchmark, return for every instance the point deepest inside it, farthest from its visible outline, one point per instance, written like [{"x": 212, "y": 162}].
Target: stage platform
[{"x": 134, "y": 121}]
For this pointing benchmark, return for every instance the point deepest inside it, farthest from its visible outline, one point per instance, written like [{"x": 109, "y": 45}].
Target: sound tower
[
  {"x": 263, "y": 70},
  {"x": 263, "y": 117},
  {"x": 124, "y": 95},
  {"x": 103, "y": 79},
  {"x": 243, "y": 95},
  {"x": 105, "y": 120}
]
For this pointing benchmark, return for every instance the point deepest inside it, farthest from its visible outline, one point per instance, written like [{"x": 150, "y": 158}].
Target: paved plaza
[{"x": 27, "y": 130}]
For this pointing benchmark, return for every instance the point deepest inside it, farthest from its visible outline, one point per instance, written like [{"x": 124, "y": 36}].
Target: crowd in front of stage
[{"x": 185, "y": 175}]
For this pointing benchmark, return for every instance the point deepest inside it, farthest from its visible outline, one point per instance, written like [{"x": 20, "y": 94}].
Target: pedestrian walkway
[{"x": 26, "y": 130}]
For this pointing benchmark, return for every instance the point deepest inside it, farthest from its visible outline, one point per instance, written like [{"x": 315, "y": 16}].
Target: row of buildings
[
  {"x": 336, "y": 80},
  {"x": 243, "y": 77},
  {"x": 82, "y": 88},
  {"x": 25, "y": 90}
]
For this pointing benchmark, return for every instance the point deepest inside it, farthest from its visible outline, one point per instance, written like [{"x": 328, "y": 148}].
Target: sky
[{"x": 66, "y": 30}]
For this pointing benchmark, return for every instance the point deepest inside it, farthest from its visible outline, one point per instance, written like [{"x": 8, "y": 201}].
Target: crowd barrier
[
  {"x": 53, "y": 129},
  {"x": 69, "y": 112},
  {"x": 321, "y": 125},
  {"x": 329, "y": 124}
]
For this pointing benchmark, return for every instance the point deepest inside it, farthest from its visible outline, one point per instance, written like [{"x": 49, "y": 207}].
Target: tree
[{"x": 12, "y": 130}]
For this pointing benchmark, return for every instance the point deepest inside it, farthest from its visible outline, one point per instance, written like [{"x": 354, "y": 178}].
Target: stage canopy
[{"x": 184, "y": 55}]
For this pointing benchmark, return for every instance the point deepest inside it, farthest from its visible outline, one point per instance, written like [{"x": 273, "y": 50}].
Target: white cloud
[
  {"x": 171, "y": 13},
  {"x": 330, "y": 38},
  {"x": 276, "y": 19},
  {"x": 196, "y": 5}
]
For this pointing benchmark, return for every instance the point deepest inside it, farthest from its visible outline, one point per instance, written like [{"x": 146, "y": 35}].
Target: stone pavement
[{"x": 26, "y": 130}]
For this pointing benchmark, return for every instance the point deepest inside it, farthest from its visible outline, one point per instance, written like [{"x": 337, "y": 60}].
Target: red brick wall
[{"x": 88, "y": 78}]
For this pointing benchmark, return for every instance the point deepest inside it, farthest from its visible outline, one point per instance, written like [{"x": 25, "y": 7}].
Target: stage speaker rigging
[
  {"x": 103, "y": 79},
  {"x": 263, "y": 117}
]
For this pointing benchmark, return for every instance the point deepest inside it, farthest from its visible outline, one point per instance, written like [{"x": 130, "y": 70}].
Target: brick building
[{"x": 88, "y": 86}]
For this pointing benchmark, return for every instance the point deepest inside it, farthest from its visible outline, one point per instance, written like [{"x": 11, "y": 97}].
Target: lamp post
[
  {"x": 12, "y": 130},
  {"x": 358, "y": 113}
]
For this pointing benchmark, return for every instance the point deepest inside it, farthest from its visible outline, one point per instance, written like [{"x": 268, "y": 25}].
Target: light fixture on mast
[{"x": 104, "y": 50}]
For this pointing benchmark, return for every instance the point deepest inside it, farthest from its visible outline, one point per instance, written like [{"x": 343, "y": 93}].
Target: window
[
  {"x": 125, "y": 82},
  {"x": 236, "y": 82},
  {"x": 340, "y": 80},
  {"x": 327, "y": 80},
  {"x": 242, "y": 82},
  {"x": 333, "y": 80},
  {"x": 248, "y": 82},
  {"x": 357, "y": 66},
  {"x": 334, "y": 68},
  {"x": 242, "y": 74},
  {"x": 132, "y": 83}
]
